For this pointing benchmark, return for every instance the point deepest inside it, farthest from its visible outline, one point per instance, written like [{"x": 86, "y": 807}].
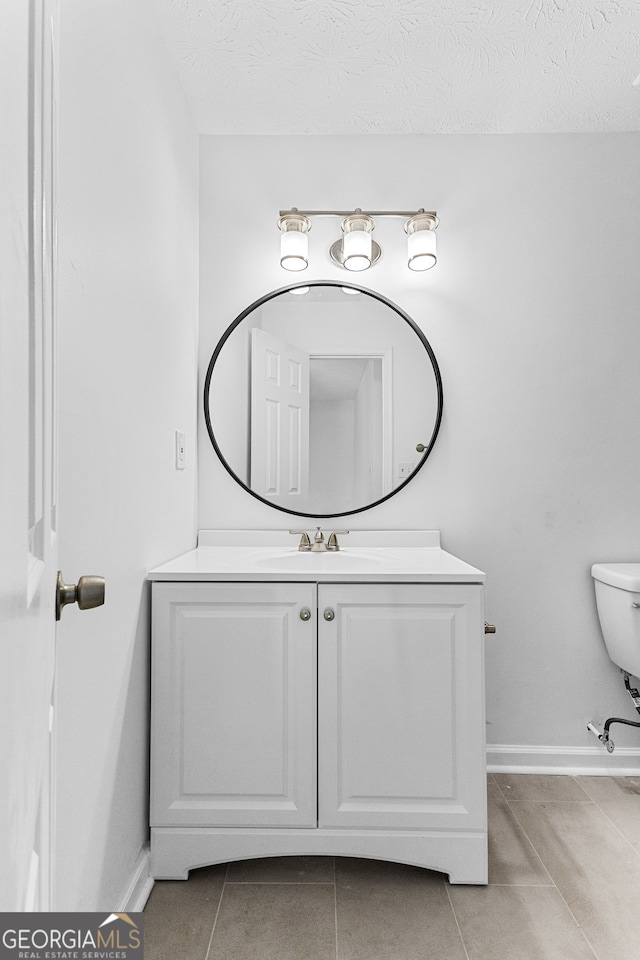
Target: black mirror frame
[{"x": 322, "y": 283}]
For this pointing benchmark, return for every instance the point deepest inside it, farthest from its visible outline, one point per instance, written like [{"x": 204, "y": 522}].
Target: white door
[
  {"x": 28, "y": 549},
  {"x": 401, "y": 708},
  {"x": 279, "y": 421}
]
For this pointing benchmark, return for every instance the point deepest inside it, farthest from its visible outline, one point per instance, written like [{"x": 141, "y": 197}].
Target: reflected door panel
[{"x": 279, "y": 466}]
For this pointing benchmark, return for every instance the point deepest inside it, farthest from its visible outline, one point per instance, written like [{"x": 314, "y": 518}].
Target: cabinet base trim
[{"x": 176, "y": 850}]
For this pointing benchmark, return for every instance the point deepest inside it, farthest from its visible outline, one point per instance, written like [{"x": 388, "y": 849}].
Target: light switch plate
[{"x": 180, "y": 450}]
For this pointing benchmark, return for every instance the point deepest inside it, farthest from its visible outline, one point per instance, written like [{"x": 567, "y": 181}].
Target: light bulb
[
  {"x": 356, "y": 243},
  {"x": 294, "y": 242},
  {"x": 421, "y": 242}
]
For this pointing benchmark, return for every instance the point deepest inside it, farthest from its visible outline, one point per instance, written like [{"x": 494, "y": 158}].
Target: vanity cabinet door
[
  {"x": 234, "y": 705},
  {"x": 401, "y": 706}
]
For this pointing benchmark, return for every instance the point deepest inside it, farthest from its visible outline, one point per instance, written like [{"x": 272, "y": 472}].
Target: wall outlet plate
[{"x": 404, "y": 469}]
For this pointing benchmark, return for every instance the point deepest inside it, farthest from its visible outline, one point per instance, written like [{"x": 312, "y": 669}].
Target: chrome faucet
[{"x": 319, "y": 546}]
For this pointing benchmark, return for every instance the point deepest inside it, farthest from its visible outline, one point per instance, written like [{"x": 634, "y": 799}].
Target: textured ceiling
[{"x": 407, "y": 66}]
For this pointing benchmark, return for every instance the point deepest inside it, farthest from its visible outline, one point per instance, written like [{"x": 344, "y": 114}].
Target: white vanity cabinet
[{"x": 318, "y": 717}]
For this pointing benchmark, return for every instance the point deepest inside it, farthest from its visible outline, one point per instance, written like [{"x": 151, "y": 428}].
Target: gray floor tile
[
  {"x": 270, "y": 921},
  {"x": 282, "y": 870},
  {"x": 353, "y": 870},
  {"x": 390, "y": 911},
  {"x": 179, "y": 915},
  {"x": 595, "y": 869},
  {"x": 517, "y": 923},
  {"x": 493, "y": 790},
  {"x": 619, "y": 800},
  {"x": 625, "y": 816},
  {"x": 611, "y": 788},
  {"x": 512, "y": 858},
  {"x": 524, "y": 786}
]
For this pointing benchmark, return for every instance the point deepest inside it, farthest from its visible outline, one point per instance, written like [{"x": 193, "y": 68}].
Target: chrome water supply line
[{"x": 604, "y": 737}]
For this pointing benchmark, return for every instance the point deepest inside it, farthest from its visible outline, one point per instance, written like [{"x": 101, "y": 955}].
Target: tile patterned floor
[{"x": 564, "y": 884}]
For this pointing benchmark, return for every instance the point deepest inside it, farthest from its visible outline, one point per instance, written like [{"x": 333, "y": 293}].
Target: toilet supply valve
[{"x": 604, "y": 737}]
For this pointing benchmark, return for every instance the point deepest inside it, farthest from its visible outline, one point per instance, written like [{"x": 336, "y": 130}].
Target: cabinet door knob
[
  {"x": 329, "y": 614},
  {"x": 305, "y": 614}
]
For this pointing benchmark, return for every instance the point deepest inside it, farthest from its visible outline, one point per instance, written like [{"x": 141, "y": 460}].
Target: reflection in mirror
[{"x": 317, "y": 396}]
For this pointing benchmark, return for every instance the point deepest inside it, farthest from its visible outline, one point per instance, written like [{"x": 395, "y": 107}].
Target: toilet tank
[{"x": 618, "y": 602}]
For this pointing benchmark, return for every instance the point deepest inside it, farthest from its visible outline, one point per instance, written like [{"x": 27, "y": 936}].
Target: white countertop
[{"x": 410, "y": 556}]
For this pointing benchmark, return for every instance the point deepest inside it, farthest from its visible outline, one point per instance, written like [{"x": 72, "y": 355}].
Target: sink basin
[{"x": 327, "y": 561}]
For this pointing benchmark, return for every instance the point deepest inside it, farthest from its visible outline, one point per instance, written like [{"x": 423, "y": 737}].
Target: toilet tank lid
[{"x": 626, "y": 576}]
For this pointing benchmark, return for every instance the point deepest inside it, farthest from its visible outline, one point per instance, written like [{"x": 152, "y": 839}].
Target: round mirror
[{"x": 323, "y": 399}]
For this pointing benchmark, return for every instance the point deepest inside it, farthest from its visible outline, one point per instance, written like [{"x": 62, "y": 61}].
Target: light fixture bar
[{"x": 347, "y": 213}]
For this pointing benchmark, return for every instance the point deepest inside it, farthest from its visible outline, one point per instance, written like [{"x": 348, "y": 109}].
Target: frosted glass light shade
[
  {"x": 294, "y": 242},
  {"x": 421, "y": 242},
  {"x": 356, "y": 243},
  {"x": 294, "y": 251}
]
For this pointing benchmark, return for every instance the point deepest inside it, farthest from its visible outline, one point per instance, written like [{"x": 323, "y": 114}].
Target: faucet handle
[
  {"x": 305, "y": 543},
  {"x": 332, "y": 543}
]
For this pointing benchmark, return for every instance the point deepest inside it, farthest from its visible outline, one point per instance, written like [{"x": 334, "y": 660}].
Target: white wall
[
  {"x": 128, "y": 188},
  {"x": 532, "y": 312}
]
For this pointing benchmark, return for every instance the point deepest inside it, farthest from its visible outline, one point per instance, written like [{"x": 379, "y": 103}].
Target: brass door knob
[{"x": 87, "y": 593}]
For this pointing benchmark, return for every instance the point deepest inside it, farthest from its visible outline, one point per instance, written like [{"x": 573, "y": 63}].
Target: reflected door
[
  {"x": 350, "y": 429},
  {"x": 279, "y": 420}
]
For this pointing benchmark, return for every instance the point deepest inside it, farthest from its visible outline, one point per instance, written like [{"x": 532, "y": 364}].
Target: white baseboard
[
  {"x": 140, "y": 884},
  {"x": 570, "y": 761}
]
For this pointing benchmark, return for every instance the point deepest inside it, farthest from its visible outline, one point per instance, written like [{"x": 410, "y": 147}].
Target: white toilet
[{"x": 618, "y": 601}]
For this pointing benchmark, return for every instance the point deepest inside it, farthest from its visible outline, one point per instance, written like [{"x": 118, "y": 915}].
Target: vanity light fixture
[
  {"x": 421, "y": 242},
  {"x": 356, "y": 250},
  {"x": 294, "y": 240}
]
